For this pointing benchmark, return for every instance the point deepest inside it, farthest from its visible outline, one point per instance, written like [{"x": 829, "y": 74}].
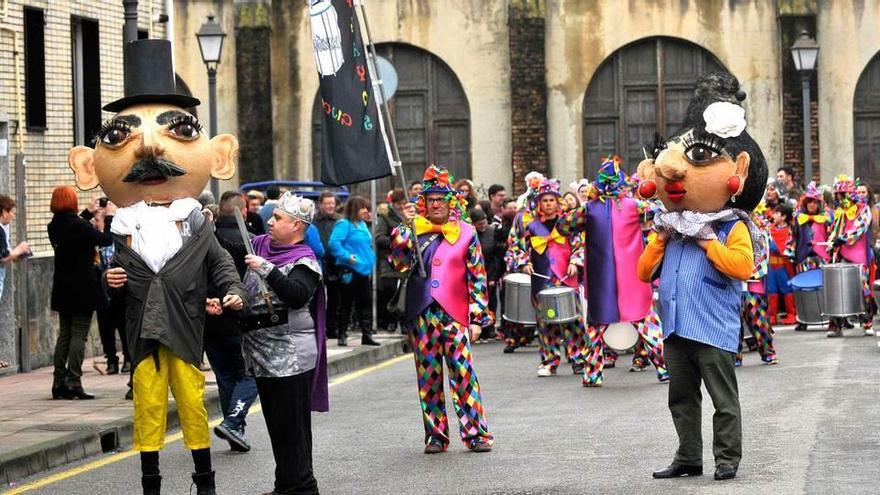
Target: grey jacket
[{"x": 168, "y": 307}]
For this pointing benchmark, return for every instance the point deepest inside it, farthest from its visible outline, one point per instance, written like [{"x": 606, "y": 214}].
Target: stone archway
[
  {"x": 866, "y": 124},
  {"x": 430, "y": 112},
  {"x": 638, "y": 90}
]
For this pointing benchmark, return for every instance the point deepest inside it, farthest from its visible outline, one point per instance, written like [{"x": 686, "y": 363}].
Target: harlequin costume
[
  {"x": 849, "y": 239},
  {"x": 152, "y": 160},
  {"x": 810, "y": 233},
  {"x": 549, "y": 253},
  {"x": 440, "y": 307},
  {"x": 615, "y": 294},
  {"x": 705, "y": 248},
  {"x": 754, "y": 301}
]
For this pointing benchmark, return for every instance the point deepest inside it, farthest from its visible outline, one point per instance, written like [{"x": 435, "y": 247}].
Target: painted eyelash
[
  {"x": 111, "y": 124},
  {"x": 185, "y": 119},
  {"x": 658, "y": 145},
  {"x": 710, "y": 141}
]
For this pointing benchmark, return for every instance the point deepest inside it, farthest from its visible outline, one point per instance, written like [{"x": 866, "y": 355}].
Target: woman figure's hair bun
[{"x": 740, "y": 95}]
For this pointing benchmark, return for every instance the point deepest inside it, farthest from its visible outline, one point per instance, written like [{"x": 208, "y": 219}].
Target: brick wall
[
  {"x": 793, "y": 134},
  {"x": 46, "y": 151},
  {"x": 528, "y": 90}
]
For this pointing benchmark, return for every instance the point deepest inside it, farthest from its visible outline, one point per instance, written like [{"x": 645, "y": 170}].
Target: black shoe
[
  {"x": 204, "y": 483},
  {"x": 61, "y": 392},
  {"x": 112, "y": 368},
  {"x": 126, "y": 367},
  {"x": 129, "y": 395},
  {"x": 612, "y": 364},
  {"x": 509, "y": 349},
  {"x": 577, "y": 368},
  {"x": 367, "y": 339},
  {"x": 725, "y": 473},
  {"x": 800, "y": 327},
  {"x": 80, "y": 394},
  {"x": 341, "y": 341},
  {"x": 152, "y": 484},
  {"x": 678, "y": 470},
  {"x": 237, "y": 441}
]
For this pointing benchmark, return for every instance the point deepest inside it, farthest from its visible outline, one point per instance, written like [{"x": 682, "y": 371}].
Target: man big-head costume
[
  {"x": 709, "y": 176},
  {"x": 152, "y": 160}
]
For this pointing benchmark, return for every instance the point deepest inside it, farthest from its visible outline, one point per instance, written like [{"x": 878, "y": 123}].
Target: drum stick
[{"x": 542, "y": 276}]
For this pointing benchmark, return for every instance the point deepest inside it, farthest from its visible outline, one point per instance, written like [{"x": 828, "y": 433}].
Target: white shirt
[{"x": 153, "y": 229}]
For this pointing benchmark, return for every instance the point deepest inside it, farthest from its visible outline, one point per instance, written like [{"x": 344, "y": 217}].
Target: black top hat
[{"x": 149, "y": 77}]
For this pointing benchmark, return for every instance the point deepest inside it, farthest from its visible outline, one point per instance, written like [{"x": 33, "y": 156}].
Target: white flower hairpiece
[{"x": 725, "y": 119}]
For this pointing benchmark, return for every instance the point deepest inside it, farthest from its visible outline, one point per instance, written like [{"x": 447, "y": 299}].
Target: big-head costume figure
[
  {"x": 153, "y": 160},
  {"x": 709, "y": 176}
]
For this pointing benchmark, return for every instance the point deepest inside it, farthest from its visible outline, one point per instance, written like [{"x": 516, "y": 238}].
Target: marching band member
[
  {"x": 442, "y": 307},
  {"x": 810, "y": 232},
  {"x": 614, "y": 242},
  {"x": 849, "y": 243},
  {"x": 780, "y": 268},
  {"x": 754, "y": 304},
  {"x": 551, "y": 259}
]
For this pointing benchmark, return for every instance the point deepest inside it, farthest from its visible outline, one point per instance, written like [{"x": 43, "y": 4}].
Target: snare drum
[
  {"x": 558, "y": 304},
  {"x": 518, "y": 299},
  {"x": 809, "y": 298},
  {"x": 621, "y": 336},
  {"x": 842, "y": 289}
]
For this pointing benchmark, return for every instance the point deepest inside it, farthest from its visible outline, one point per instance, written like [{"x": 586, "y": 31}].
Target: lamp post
[
  {"x": 210, "y": 37},
  {"x": 805, "y": 52}
]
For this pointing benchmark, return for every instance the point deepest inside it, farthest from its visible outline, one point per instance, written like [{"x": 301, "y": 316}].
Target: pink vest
[
  {"x": 634, "y": 297},
  {"x": 858, "y": 252},
  {"x": 449, "y": 285},
  {"x": 560, "y": 254}
]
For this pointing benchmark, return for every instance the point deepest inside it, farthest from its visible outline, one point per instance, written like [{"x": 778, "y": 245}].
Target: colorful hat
[
  {"x": 437, "y": 180},
  {"x": 611, "y": 178},
  {"x": 844, "y": 184},
  {"x": 547, "y": 186},
  {"x": 297, "y": 206}
]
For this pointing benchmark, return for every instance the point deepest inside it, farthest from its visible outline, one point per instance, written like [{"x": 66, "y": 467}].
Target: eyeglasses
[{"x": 432, "y": 201}]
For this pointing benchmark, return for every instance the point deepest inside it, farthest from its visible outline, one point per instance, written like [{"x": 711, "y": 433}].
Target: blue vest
[{"x": 698, "y": 302}]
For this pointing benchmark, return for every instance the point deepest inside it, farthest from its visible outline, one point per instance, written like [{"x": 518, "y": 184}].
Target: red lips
[{"x": 675, "y": 192}]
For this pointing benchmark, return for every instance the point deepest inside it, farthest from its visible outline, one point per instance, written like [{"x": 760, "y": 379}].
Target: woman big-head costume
[{"x": 711, "y": 145}]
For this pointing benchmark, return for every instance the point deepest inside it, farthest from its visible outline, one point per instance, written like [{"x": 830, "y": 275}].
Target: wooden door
[
  {"x": 866, "y": 125},
  {"x": 640, "y": 89}
]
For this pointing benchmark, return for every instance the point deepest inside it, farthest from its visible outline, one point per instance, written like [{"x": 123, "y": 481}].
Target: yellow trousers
[{"x": 150, "y": 385}]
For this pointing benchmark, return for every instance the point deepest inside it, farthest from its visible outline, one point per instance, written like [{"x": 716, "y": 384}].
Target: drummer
[
  {"x": 809, "y": 236},
  {"x": 552, "y": 260},
  {"x": 849, "y": 244},
  {"x": 615, "y": 294}
]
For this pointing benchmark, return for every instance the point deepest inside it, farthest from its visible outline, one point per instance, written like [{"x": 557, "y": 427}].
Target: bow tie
[
  {"x": 539, "y": 244},
  {"x": 804, "y": 218},
  {"x": 850, "y": 212},
  {"x": 449, "y": 230}
]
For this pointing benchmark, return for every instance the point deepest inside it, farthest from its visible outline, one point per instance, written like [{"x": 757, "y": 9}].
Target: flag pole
[{"x": 382, "y": 109}]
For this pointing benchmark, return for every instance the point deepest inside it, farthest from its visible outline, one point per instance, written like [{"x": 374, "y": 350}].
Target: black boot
[
  {"x": 204, "y": 483},
  {"x": 367, "y": 338},
  {"x": 152, "y": 484},
  {"x": 126, "y": 366},
  {"x": 341, "y": 341},
  {"x": 112, "y": 366},
  {"x": 77, "y": 393}
]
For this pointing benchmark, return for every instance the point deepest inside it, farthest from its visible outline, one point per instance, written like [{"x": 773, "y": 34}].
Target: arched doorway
[
  {"x": 430, "y": 113},
  {"x": 638, "y": 90},
  {"x": 866, "y": 124}
]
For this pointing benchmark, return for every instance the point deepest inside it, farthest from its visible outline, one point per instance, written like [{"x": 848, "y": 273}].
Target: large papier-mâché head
[
  {"x": 152, "y": 149},
  {"x": 697, "y": 166}
]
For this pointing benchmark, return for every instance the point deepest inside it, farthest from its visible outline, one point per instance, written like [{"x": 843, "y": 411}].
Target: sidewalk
[{"x": 38, "y": 433}]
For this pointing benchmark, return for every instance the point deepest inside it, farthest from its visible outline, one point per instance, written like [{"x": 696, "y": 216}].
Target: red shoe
[{"x": 791, "y": 316}]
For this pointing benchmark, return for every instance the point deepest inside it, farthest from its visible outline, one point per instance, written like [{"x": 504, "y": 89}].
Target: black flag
[{"x": 353, "y": 148}]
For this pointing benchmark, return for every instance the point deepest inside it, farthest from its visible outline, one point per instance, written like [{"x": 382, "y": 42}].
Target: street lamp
[
  {"x": 805, "y": 52},
  {"x": 210, "y": 38}
]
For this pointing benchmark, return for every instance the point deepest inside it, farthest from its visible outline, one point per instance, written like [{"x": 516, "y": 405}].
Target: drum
[
  {"x": 621, "y": 336},
  {"x": 558, "y": 304},
  {"x": 842, "y": 290},
  {"x": 809, "y": 297},
  {"x": 518, "y": 299}
]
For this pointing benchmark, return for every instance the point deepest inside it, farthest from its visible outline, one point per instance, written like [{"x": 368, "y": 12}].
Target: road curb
[{"x": 117, "y": 435}]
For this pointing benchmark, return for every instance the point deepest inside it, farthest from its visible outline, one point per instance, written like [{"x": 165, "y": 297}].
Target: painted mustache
[{"x": 152, "y": 167}]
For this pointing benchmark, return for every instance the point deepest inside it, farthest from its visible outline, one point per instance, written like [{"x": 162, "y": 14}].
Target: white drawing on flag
[{"x": 326, "y": 37}]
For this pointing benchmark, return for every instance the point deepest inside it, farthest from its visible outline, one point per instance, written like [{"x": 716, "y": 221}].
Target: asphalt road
[{"x": 810, "y": 426}]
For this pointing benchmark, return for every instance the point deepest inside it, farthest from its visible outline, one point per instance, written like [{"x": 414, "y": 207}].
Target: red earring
[
  {"x": 648, "y": 189},
  {"x": 734, "y": 183}
]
